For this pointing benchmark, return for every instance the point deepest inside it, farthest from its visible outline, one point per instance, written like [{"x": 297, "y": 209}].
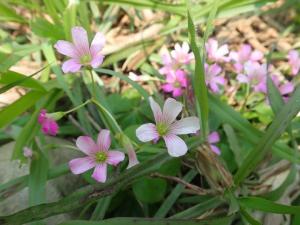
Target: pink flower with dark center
[
  {"x": 294, "y": 61},
  {"x": 216, "y": 53},
  {"x": 176, "y": 82},
  {"x": 167, "y": 127},
  {"x": 214, "y": 138},
  {"x": 255, "y": 75},
  {"x": 244, "y": 55},
  {"x": 213, "y": 78},
  {"x": 80, "y": 52},
  {"x": 181, "y": 53},
  {"x": 98, "y": 156},
  {"x": 49, "y": 125}
]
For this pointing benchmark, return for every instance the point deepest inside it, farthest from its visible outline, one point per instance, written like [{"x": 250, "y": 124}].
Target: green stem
[
  {"x": 78, "y": 107},
  {"x": 93, "y": 84}
]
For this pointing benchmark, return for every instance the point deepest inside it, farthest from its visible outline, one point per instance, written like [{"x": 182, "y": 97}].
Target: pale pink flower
[
  {"x": 27, "y": 152},
  {"x": 214, "y": 138},
  {"x": 132, "y": 158},
  {"x": 294, "y": 61},
  {"x": 176, "y": 83},
  {"x": 284, "y": 87},
  {"x": 213, "y": 77},
  {"x": 181, "y": 54},
  {"x": 216, "y": 53},
  {"x": 255, "y": 75},
  {"x": 80, "y": 52},
  {"x": 98, "y": 156},
  {"x": 169, "y": 65},
  {"x": 243, "y": 55},
  {"x": 167, "y": 127},
  {"x": 49, "y": 125}
]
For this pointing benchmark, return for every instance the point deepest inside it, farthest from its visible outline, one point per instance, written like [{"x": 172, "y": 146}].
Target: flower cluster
[{"x": 174, "y": 71}]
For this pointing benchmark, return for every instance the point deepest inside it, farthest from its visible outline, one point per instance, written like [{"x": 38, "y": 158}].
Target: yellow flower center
[
  {"x": 162, "y": 129},
  {"x": 101, "y": 157},
  {"x": 86, "y": 59}
]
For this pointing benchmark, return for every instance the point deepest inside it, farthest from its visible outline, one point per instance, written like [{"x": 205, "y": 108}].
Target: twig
[{"x": 194, "y": 188}]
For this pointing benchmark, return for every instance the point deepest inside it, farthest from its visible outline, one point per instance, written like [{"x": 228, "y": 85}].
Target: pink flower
[
  {"x": 213, "y": 138},
  {"x": 168, "y": 127},
  {"x": 216, "y": 53},
  {"x": 97, "y": 157},
  {"x": 80, "y": 52},
  {"x": 294, "y": 61},
  {"x": 169, "y": 65},
  {"x": 255, "y": 75},
  {"x": 176, "y": 82},
  {"x": 284, "y": 88},
  {"x": 49, "y": 126},
  {"x": 181, "y": 53},
  {"x": 244, "y": 55},
  {"x": 27, "y": 152},
  {"x": 213, "y": 78}
]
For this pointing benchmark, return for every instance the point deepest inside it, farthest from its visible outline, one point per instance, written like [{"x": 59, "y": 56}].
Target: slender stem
[
  {"x": 78, "y": 107},
  {"x": 94, "y": 86}
]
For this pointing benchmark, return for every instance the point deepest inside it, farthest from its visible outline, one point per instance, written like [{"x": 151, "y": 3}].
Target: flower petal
[
  {"x": 147, "y": 132},
  {"x": 71, "y": 65},
  {"x": 103, "y": 140},
  {"x": 156, "y": 110},
  {"x": 86, "y": 145},
  {"x": 80, "y": 165},
  {"x": 189, "y": 125},
  {"x": 66, "y": 48},
  {"x": 175, "y": 145},
  {"x": 97, "y": 60},
  {"x": 213, "y": 137},
  {"x": 80, "y": 40},
  {"x": 132, "y": 158},
  {"x": 215, "y": 149},
  {"x": 115, "y": 157},
  {"x": 100, "y": 172},
  {"x": 242, "y": 78},
  {"x": 97, "y": 43},
  {"x": 286, "y": 88},
  {"x": 171, "y": 110}
]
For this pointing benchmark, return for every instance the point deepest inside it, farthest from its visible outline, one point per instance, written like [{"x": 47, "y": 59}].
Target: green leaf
[
  {"x": 12, "y": 79},
  {"x": 149, "y": 190},
  {"x": 274, "y": 131},
  {"x": 248, "y": 217},
  {"x": 174, "y": 195},
  {"x": 199, "y": 84},
  {"x": 8, "y": 14},
  {"x": 264, "y": 205},
  {"x": 43, "y": 28},
  {"x": 9, "y": 113},
  {"x": 37, "y": 177}
]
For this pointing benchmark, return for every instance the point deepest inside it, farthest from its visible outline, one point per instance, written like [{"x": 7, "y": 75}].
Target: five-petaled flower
[
  {"x": 80, "y": 52},
  {"x": 216, "y": 53},
  {"x": 255, "y": 75},
  {"x": 98, "y": 156},
  {"x": 213, "y": 78},
  {"x": 294, "y": 61},
  {"x": 243, "y": 55},
  {"x": 181, "y": 54},
  {"x": 49, "y": 125},
  {"x": 176, "y": 82},
  {"x": 168, "y": 127}
]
